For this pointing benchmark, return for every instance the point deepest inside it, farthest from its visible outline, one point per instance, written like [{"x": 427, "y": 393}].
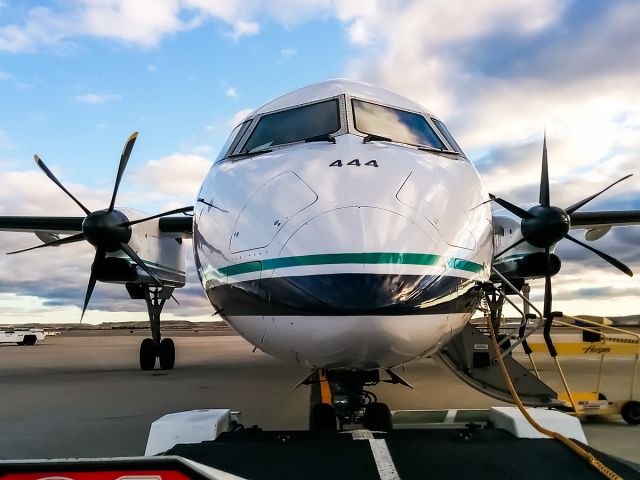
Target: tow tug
[{"x": 212, "y": 444}]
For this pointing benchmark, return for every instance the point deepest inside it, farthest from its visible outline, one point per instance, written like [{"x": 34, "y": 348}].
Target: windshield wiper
[
  {"x": 249, "y": 154},
  {"x": 325, "y": 137},
  {"x": 372, "y": 137},
  {"x": 436, "y": 150}
]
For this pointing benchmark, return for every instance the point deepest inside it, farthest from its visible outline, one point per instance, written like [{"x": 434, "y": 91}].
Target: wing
[
  {"x": 65, "y": 225},
  {"x": 604, "y": 219}
]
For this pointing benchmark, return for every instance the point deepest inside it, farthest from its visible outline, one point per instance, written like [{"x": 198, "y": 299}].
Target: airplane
[{"x": 343, "y": 228}]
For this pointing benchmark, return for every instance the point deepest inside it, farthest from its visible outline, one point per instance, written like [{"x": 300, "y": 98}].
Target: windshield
[
  {"x": 295, "y": 125},
  {"x": 398, "y": 125},
  {"x": 447, "y": 134},
  {"x": 233, "y": 140}
]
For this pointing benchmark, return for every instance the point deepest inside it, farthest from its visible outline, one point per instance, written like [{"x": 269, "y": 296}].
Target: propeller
[
  {"x": 108, "y": 230},
  {"x": 544, "y": 225}
]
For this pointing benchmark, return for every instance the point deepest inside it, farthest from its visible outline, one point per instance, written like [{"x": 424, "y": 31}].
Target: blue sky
[{"x": 77, "y": 77}]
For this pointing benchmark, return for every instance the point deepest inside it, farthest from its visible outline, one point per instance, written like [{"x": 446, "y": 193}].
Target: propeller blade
[
  {"x": 616, "y": 263},
  {"x": 544, "y": 177},
  {"x": 515, "y": 244},
  {"x": 548, "y": 296},
  {"x": 93, "y": 278},
  {"x": 133, "y": 256},
  {"x": 124, "y": 158},
  {"x": 164, "y": 214},
  {"x": 511, "y": 207},
  {"x": 582, "y": 203},
  {"x": 53, "y": 178},
  {"x": 72, "y": 239}
]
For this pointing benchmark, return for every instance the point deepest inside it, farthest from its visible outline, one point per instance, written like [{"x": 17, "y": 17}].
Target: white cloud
[
  {"x": 176, "y": 177},
  {"x": 231, "y": 92},
  {"x": 152, "y": 68},
  {"x": 242, "y": 28},
  {"x": 239, "y": 116},
  {"x": 145, "y": 23},
  {"x": 287, "y": 53},
  {"x": 97, "y": 98},
  {"x": 4, "y": 76}
]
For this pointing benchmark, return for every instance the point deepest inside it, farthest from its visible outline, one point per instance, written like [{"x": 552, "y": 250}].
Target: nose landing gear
[{"x": 339, "y": 399}]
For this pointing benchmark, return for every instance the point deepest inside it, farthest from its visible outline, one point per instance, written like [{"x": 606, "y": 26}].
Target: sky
[{"x": 78, "y": 76}]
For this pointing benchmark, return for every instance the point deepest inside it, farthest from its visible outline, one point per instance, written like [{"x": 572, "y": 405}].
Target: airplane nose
[{"x": 357, "y": 261}]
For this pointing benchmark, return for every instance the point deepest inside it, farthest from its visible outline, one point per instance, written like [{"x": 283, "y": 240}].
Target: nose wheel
[{"x": 339, "y": 398}]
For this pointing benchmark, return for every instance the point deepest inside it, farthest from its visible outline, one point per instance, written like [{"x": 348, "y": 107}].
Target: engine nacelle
[{"x": 532, "y": 265}]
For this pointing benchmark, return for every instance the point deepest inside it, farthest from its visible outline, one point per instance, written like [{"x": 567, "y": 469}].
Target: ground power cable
[{"x": 593, "y": 461}]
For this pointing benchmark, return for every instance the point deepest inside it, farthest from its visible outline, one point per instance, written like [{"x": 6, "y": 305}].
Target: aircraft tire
[
  {"x": 377, "y": 416},
  {"x": 167, "y": 354},
  {"x": 147, "y": 354},
  {"x": 322, "y": 418},
  {"x": 631, "y": 412}
]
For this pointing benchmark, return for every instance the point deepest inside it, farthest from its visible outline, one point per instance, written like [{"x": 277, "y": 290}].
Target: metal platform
[{"x": 462, "y": 453}]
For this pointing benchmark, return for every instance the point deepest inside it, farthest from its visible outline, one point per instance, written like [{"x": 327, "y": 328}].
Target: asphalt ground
[{"x": 84, "y": 395}]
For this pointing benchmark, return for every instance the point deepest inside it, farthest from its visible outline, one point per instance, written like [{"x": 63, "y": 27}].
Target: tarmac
[{"x": 84, "y": 395}]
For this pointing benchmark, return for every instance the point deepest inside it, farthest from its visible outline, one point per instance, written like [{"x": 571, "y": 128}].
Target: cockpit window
[
  {"x": 398, "y": 125},
  {"x": 295, "y": 125},
  {"x": 446, "y": 134},
  {"x": 234, "y": 138}
]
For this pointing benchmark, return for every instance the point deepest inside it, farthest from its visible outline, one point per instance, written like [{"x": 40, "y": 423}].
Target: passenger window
[
  {"x": 398, "y": 125},
  {"x": 295, "y": 125}
]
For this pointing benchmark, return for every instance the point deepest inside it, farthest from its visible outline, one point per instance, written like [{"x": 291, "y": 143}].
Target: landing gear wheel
[
  {"x": 377, "y": 416},
  {"x": 147, "y": 354},
  {"x": 167, "y": 354},
  {"x": 322, "y": 418},
  {"x": 631, "y": 412}
]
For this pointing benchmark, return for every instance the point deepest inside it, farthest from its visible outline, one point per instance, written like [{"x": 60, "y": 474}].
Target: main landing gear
[
  {"x": 156, "y": 347},
  {"x": 339, "y": 398}
]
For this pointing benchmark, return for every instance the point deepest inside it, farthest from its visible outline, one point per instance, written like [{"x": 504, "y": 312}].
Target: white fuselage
[{"x": 344, "y": 266}]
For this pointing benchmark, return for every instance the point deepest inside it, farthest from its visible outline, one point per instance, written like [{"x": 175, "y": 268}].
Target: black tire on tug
[
  {"x": 167, "y": 354},
  {"x": 377, "y": 416},
  {"x": 631, "y": 412},
  {"x": 147, "y": 354},
  {"x": 322, "y": 418},
  {"x": 28, "y": 340}
]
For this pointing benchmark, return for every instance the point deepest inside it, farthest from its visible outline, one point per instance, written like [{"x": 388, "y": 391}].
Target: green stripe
[{"x": 348, "y": 258}]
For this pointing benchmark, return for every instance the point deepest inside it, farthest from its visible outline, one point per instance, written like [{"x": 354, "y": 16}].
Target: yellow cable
[{"x": 593, "y": 461}]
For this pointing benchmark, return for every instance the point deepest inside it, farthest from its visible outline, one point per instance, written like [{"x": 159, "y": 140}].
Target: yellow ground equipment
[{"x": 612, "y": 341}]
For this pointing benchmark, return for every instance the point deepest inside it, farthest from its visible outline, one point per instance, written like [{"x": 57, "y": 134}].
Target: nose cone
[
  {"x": 355, "y": 261},
  {"x": 350, "y": 289}
]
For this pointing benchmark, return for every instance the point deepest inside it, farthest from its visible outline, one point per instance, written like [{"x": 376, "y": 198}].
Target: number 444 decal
[{"x": 355, "y": 162}]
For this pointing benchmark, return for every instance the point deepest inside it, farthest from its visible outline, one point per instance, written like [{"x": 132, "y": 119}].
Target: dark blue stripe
[{"x": 346, "y": 294}]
